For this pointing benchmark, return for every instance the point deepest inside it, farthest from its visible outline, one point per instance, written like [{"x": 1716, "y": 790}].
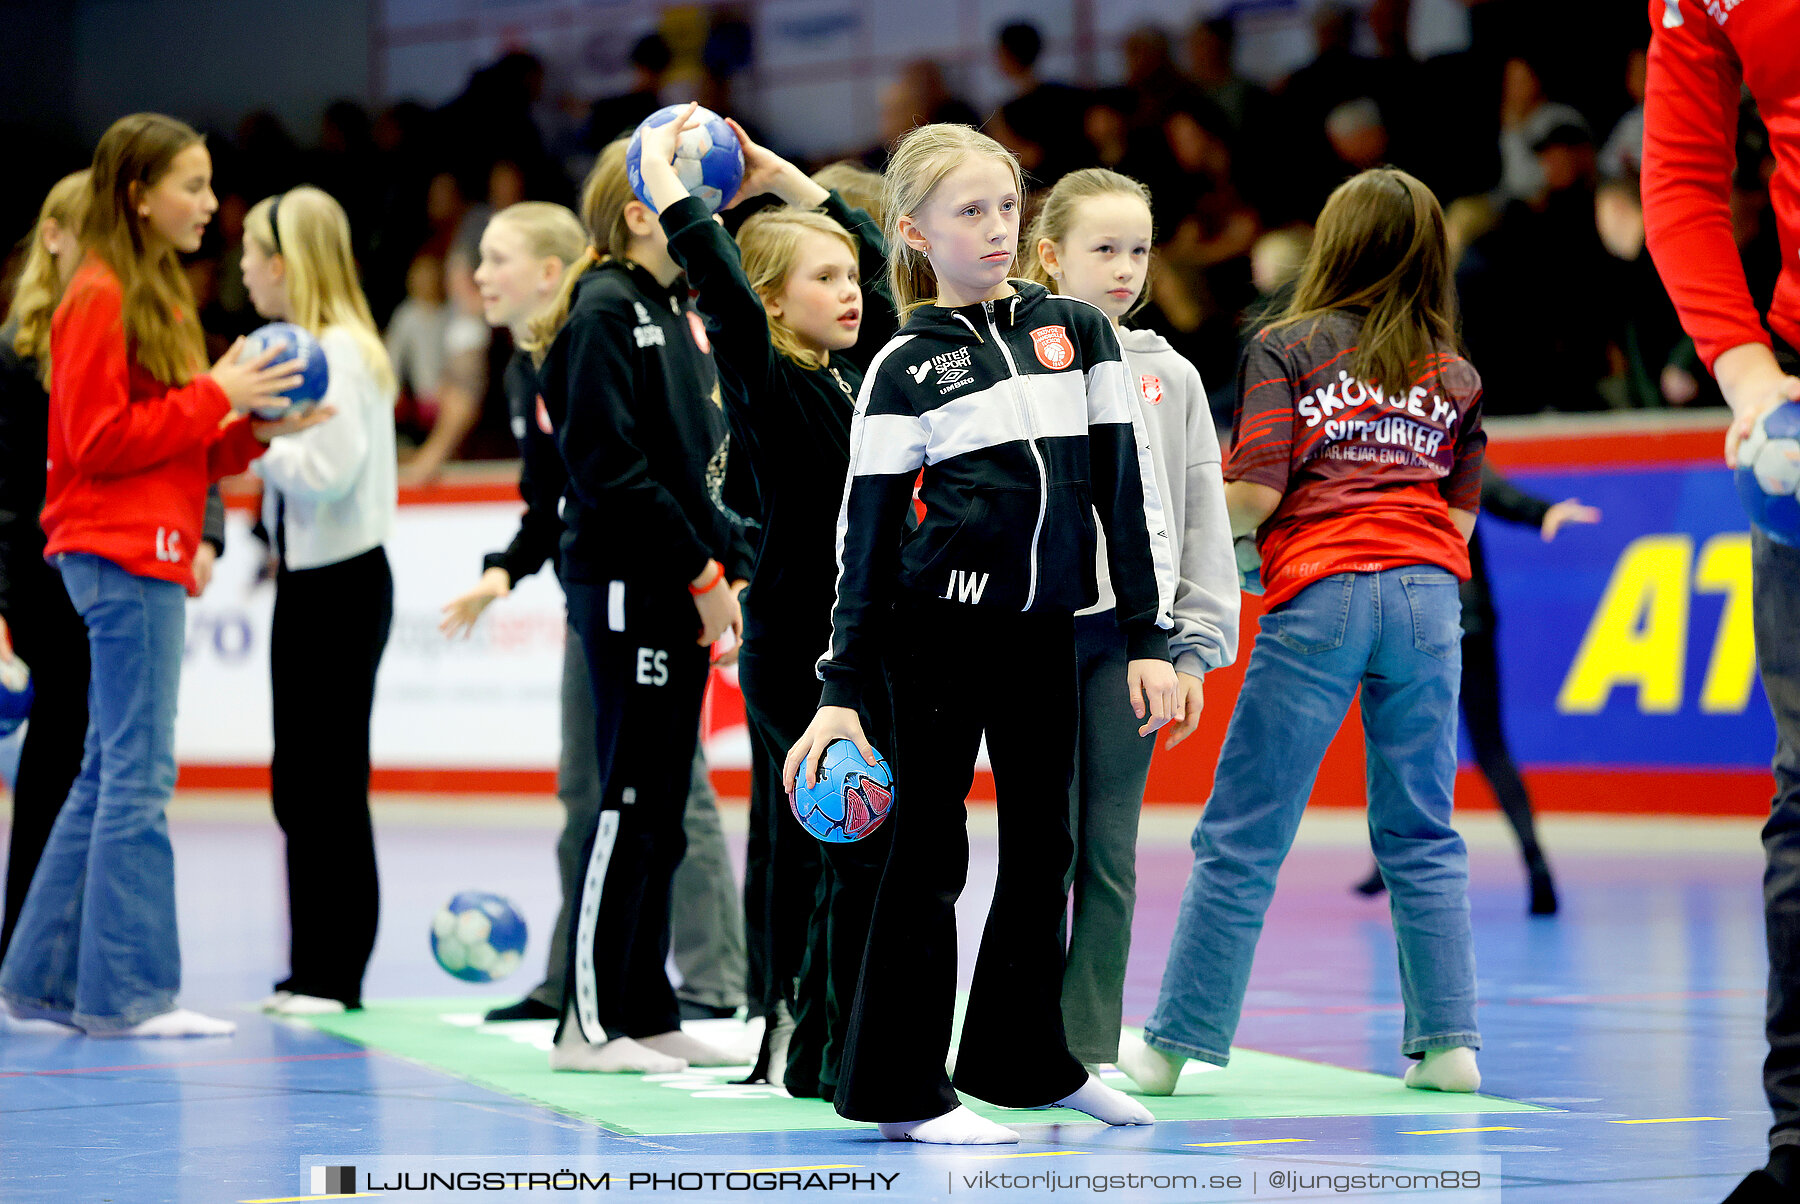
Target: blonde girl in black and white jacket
[{"x": 1014, "y": 403}]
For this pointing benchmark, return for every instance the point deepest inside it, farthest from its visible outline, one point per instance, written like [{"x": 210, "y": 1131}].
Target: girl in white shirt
[{"x": 328, "y": 503}]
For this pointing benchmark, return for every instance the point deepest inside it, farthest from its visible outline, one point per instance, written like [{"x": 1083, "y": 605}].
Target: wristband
[{"x": 717, "y": 577}]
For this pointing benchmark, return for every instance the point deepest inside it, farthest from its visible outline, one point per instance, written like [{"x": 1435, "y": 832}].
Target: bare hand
[
  {"x": 766, "y": 171},
  {"x": 734, "y": 638},
  {"x": 1193, "y": 699},
  {"x": 657, "y": 143},
  {"x": 1154, "y": 696},
  {"x": 258, "y": 383},
  {"x": 829, "y": 724},
  {"x": 6, "y": 648},
  {"x": 1678, "y": 385},
  {"x": 205, "y": 557},
  {"x": 265, "y": 430},
  {"x": 1565, "y": 512},
  {"x": 1753, "y": 384},
  {"x": 717, "y": 606},
  {"x": 461, "y": 612}
]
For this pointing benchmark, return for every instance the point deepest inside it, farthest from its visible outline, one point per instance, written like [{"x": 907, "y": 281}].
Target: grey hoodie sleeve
[{"x": 1206, "y": 590}]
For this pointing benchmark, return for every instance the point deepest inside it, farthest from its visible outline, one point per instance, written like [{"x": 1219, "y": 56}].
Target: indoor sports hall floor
[{"x": 1623, "y": 1039}]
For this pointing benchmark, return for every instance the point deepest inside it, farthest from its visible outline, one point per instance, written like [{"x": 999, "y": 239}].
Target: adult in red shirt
[
  {"x": 137, "y": 432},
  {"x": 1702, "y": 55}
]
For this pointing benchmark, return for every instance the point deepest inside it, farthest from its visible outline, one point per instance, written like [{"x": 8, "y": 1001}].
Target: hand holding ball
[
  {"x": 294, "y": 343},
  {"x": 850, "y": 799},
  {"x": 708, "y": 160},
  {"x": 1768, "y": 473}
]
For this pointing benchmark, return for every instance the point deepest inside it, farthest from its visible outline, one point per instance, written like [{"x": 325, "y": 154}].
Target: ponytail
[{"x": 603, "y": 199}]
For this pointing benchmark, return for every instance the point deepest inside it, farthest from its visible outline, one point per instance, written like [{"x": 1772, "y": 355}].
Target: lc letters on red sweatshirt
[
  {"x": 1367, "y": 477},
  {"x": 130, "y": 456}
]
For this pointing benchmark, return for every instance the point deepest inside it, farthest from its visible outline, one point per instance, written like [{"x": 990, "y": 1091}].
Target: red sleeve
[
  {"x": 1690, "y": 151},
  {"x": 1262, "y": 445},
  {"x": 106, "y": 434},
  {"x": 233, "y": 450},
  {"x": 1462, "y": 488}
]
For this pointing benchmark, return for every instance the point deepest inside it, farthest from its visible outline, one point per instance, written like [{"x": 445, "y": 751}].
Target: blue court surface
[{"x": 1621, "y": 1059}]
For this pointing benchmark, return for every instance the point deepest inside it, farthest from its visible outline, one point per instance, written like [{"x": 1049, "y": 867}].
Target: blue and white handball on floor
[{"x": 478, "y": 937}]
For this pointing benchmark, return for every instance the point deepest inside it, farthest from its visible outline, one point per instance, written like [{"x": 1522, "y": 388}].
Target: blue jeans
[
  {"x": 1397, "y": 634},
  {"x": 96, "y": 943}
]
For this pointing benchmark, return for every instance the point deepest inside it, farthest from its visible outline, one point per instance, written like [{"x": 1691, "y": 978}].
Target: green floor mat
[{"x": 449, "y": 1035}]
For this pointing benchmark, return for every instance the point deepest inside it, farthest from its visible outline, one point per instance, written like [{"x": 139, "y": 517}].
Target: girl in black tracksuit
[
  {"x": 789, "y": 392},
  {"x": 648, "y": 557},
  {"x": 1015, "y": 404}
]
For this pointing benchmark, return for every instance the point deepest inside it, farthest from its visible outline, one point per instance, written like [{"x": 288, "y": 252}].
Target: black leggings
[
  {"x": 957, "y": 673},
  {"x": 1481, "y": 719},
  {"x": 806, "y": 904},
  {"x": 49, "y": 637},
  {"x": 329, "y": 630}
]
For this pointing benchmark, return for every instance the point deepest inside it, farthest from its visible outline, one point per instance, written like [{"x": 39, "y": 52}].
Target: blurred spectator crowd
[{"x": 1531, "y": 138}]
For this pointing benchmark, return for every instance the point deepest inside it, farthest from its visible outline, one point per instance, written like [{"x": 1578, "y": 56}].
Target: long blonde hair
[
  {"x": 550, "y": 230},
  {"x": 40, "y": 283},
  {"x": 1056, "y": 217},
  {"x": 922, "y": 157},
  {"x": 1380, "y": 246},
  {"x": 162, "y": 329},
  {"x": 604, "y": 196},
  {"x": 310, "y": 232},
  {"x": 770, "y": 244}
]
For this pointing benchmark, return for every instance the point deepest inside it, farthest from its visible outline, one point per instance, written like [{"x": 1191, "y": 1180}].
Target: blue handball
[
  {"x": 478, "y": 937},
  {"x": 15, "y": 695},
  {"x": 1769, "y": 470},
  {"x": 297, "y": 344},
  {"x": 708, "y": 159},
  {"x": 850, "y": 799}
]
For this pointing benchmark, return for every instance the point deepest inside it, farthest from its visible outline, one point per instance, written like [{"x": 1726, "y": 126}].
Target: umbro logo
[{"x": 952, "y": 366}]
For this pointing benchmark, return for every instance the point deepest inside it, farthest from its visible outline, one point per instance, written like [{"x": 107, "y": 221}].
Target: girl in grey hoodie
[{"x": 1092, "y": 240}]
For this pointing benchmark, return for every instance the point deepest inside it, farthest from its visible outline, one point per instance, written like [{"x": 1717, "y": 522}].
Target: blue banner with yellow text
[{"x": 1629, "y": 644}]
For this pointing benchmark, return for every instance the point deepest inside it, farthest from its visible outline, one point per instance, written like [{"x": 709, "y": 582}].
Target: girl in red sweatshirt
[{"x": 138, "y": 429}]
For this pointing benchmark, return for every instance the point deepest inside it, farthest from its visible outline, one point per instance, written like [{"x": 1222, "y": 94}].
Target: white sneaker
[{"x": 273, "y": 1002}]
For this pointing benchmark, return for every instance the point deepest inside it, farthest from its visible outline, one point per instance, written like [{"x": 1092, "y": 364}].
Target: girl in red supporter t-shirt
[{"x": 1357, "y": 463}]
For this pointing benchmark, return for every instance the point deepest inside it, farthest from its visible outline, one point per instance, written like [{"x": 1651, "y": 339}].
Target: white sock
[
  {"x": 621, "y": 1055},
  {"x": 695, "y": 1052},
  {"x": 1104, "y": 1103},
  {"x": 305, "y": 1005},
  {"x": 959, "y": 1126},
  {"x": 1445, "y": 1070},
  {"x": 1154, "y": 1071},
  {"x": 178, "y": 1023}
]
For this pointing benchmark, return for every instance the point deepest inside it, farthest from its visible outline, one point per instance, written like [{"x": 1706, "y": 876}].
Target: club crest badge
[
  {"x": 1152, "y": 388},
  {"x": 1052, "y": 346}
]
